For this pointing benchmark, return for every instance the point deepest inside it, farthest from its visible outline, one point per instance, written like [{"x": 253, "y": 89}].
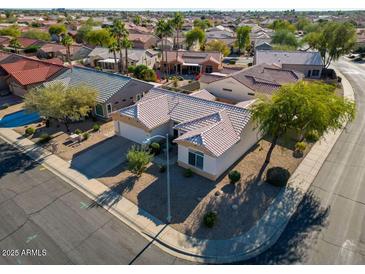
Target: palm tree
[
  {"x": 159, "y": 32},
  {"x": 168, "y": 31},
  {"x": 163, "y": 30},
  {"x": 114, "y": 48},
  {"x": 126, "y": 44},
  {"x": 178, "y": 22},
  {"x": 67, "y": 41},
  {"x": 14, "y": 43},
  {"x": 119, "y": 32}
]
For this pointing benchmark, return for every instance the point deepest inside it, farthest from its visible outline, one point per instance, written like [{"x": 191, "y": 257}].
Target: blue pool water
[{"x": 19, "y": 118}]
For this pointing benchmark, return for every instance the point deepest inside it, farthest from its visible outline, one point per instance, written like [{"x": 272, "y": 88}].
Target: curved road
[{"x": 329, "y": 225}]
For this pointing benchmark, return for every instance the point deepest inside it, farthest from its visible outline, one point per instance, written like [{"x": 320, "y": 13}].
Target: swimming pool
[{"x": 19, "y": 118}]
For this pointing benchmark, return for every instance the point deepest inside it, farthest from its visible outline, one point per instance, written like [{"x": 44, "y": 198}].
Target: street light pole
[{"x": 168, "y": 180}]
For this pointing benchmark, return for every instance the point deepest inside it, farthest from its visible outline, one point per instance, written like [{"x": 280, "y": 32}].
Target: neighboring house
[
  {"x": 247, "y": 83},
  {"x": 307, "y": 62},
  {"x": 142, "y": 41},
  {"x": 23, "y": 41},
  {"x": 54, "y": 50},
  {"x": 221, "y": 33},
  {"x": 104, "y": 59},
  {"x": 360, "y": 37},
  {"x": 20, "y": 74},
  {"x": 170, "y": 42},
  {"x": 115, "y": 91},
  {"x": 192, "y": 62},
  {"x": 211, "y": 136},
  {"x": 263, "y": 45},
  {"x": 208, "y": 78}
]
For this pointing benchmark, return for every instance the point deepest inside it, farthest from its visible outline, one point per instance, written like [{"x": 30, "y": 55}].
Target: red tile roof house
[
  {"x": 246, "y": 84},
  {"x": 143, "y": 41},
  {"x": 192, "y": 62},
  {"x": 52, "y": 50},
  {"x": 210, "y": 135},
  {"x": 20, "y": 74},
  {"x": 24, "y": 42}
]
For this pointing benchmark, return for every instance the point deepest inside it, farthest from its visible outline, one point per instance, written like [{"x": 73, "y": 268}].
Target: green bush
[
  {"x": 86, "y": 135},
  {"x": 277, "y": 176},
  {"x": 31, "y": 49},
  {"x": 29, "y": 131},
  {"x": 312, "y": 137},
  {"x": 155, "y": 148},
  {"x": 96, "y": 127},
  {"x": 210, "y": 219},
  {"x": 188, "y": 172},
  {"x": 44, "y": 138},
  {"x": 300, "y": 146},
  {"x": 138, "y": 159},
  {"x": 234, "y": 176},
  {"x": 232, "y": 62},
  {"x": 78, "y": 131}
]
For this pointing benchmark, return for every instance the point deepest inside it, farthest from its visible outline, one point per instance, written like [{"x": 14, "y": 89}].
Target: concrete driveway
[{"x": 101, "y": 157}]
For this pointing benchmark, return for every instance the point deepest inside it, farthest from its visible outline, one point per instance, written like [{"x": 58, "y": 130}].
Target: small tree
[
  {"x": 58, "y": 30},
  {"x": 138, "y": 159},
  {"x": 15, "y": 44},
  {"x": 67, "y": 41},
  {"x": 285, "y": 37},
  {"x": 65, "y": 104},
  {"x": 243, "y": 37},
  {"x": 195, "y": 35},
  {"x": 302, "y": 107},
  {"x": 218, "y": 45}
]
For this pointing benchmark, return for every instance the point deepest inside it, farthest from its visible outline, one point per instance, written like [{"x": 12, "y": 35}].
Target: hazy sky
[{"x": 187, "y": 4}]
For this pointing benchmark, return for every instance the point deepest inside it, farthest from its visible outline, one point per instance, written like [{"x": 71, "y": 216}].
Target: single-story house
[
  {"x": 245, "y": 84},
  {"x": 210, "y": 135},
  {"x": 263, "y": 45},
  {"x": 23, "y": 41},
  {"x": 115, "y": 91},
  {"x": 143, "y": 41},
  {"x": 20, "y": 74},
  {"x": 307, "y": 62},
  {"x": 54, "y": 50},
  {"x": 104, "y": 59},
  {"x": 192, "y": 62}
]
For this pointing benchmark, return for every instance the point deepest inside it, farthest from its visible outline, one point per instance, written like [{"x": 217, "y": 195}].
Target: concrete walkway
[{"x": 260, "y": 237}]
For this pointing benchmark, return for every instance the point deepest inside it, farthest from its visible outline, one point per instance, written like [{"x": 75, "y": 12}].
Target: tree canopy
[
  {"x": 332, "y": 40},
  {"x": 37, "y": 34},
  {"x": 195, "y": 35},
  {"x": 12, "y": 30},
  {"x": 302, "y": 107},
  {"x": 285, "y": 37},
  {"x": 58, "y": 29},
  {"x": 243, "y": 37},
  {"x": 142, "y": 72},
  {"x": 280, "y": 24},
  {"x": 202, "y": 23},
  {"x": 218, "y": 45},
  {"x": 100, "y": 37},
  {"x": 60, "y": 103}
]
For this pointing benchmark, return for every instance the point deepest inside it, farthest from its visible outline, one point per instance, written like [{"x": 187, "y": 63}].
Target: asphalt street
[
  {"x": 329, "y": 225},
  {"x": 43, "y": 220}
]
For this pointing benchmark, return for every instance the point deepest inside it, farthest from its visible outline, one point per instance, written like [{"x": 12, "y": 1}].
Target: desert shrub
[
  {"x": 162, "y": 168},
  {"x": 138, "y": 159},
  {"x": 312, "y": 136},
  {"x": 300, "y": 146},
  {"x": 155, "y": 148},
  {"x": 29, "y": 131},
  {"x": 234, "y": 176},
  {"x": 188, "y": 172},
  {"x": 210, "y": 219},
  {"x": 232, "y": 62},
  {"x": 86, "y": 135},
  {"x": 78, "y": 131},
  {"x": 277, "y": 176},
  {"x": 44, "y": 138},
  {"x": 31, "y": 49},
  {"x": 96, "y": 127}
]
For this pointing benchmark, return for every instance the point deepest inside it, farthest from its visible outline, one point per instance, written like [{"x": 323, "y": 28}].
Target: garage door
[{"x": 132, "y": 133}]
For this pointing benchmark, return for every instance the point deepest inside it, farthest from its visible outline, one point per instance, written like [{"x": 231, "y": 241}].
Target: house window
[
  {"x": 309, "y": 73},
  {"x": 227, "y": 89},
  {"x": 208, "y": 69},
  {"x": 99, "y": 110},
  {"x": 315, "y": 73},
  {"x": 196, "y": 159},
  {"x": 109, "y": 108},
  {"x": 251, "y": 93}
]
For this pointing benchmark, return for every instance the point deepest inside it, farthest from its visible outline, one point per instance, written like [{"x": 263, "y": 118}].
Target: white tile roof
[
  {"x": 213, "y": 125},
  {"x": 288, "y": 57}
]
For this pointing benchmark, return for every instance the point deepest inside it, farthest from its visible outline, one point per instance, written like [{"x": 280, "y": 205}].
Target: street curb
[{"x": 258, "y": 239}]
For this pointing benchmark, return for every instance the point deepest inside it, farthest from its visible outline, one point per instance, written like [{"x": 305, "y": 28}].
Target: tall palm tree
[
  {"x": 168, "y": 31},
  {"x": 67, "y": 41},
  {"x": 119, "y": 32},
  {"x": 159, "y": 32},
  {"x": 178, "y": 22},
  {"x": 126, "y": 44},
  {"x": 114, "y": 48}
]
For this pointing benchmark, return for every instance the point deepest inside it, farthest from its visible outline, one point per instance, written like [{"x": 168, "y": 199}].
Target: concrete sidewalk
[{"x": 260, "y": 237}]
